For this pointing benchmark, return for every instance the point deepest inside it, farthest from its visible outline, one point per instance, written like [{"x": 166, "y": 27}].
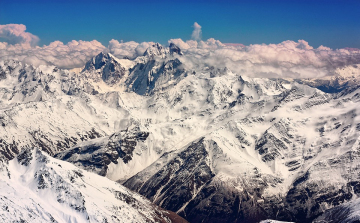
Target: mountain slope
[
  {"x": 202, "y": 141},
  {"x": 236, "y": 149},
  {"x": 257, "y": 167},
  {"x": 53, "y": 109},
  {"x": 348, "y": 212},
  {"x": 345, "y": 77},
  {"x": 36, "y": 187}
]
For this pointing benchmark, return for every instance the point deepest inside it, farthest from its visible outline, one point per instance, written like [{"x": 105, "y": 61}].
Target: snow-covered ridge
[
  {"x": 343, "y": 78},
  {"x": 38, "y": 188},
  {"x": 202, "y": 141}
]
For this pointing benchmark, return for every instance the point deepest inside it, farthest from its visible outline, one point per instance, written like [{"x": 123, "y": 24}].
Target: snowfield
[{"x": 38, "y": 188}]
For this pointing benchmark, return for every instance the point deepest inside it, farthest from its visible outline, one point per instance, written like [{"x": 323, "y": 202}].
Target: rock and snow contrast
[
  {"x": 38, "y": 188},
  {"x": 202, "y": 141},
  {"x": 272, "y": 221}
]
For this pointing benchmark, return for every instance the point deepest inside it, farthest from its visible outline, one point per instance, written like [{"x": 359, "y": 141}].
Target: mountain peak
[
  {"x": 156, "y": 50},
  {"x": 98, "y": 61},
  {"x": 174, "y": 49},
  {"x": 108, "y": 65}
]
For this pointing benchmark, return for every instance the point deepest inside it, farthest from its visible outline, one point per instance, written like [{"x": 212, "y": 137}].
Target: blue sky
[{"x": 335, "y": 24}]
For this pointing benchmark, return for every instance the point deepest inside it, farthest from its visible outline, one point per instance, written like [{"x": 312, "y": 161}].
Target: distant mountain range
[{"x": 207, "y": 143}]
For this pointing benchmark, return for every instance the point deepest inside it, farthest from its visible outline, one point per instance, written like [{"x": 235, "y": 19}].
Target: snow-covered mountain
[
  {"x": 38, "y": 188},
  {"x": 345, "y": 77},
  {"x": 107, "y": 67},
  {"x": 344, "y": 213},
  {"x": 204, "y": 142}
]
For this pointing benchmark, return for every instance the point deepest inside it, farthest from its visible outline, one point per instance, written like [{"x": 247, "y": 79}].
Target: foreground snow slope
[{"x": 38, "y": 188}]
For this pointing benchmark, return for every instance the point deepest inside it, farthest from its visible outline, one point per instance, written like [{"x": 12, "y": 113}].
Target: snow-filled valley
[{"x": 206, "y": 143}]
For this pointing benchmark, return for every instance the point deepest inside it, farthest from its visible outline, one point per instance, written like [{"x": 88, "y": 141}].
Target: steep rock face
[
  {"x": 286, "y": 167},
  {"x": 158, "y": 69},
  {"x": 347, "y": 212},
  {"x": 158, "y": 50},
  {"x": 317, "y": 190},
  {"x": 145, "y": 77},
  {"x": 219, "y": 202},
  {"x": 175, "y": 184},
  {"x": 189, "y": 183},
  {"x": 96, "y": 157},
  {"x": 174, "y": 49},
  {"x": 108, "y": 66},
  {"x": 36, "y": 187}
]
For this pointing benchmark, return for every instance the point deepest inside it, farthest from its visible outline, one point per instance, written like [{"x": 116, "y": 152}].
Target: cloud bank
[
  {"x": 70, "y": 55},
  {"x": 286, "y": 59},
  {"x": 21, "y": 46},
  {"x": 15, "y": 34},
  {"x": 128, "y": 49}
]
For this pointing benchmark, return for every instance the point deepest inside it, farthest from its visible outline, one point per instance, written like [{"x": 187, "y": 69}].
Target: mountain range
[{"x": 207, "y": 144}]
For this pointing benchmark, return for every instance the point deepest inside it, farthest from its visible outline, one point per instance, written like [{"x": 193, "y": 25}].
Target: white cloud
[
  {"x": 15, "y": 34},
  {"x": 286, "y": 59},
  {"x": 70, "y": 55},
  {"x": 180, "y": 43},
  {"x": 122, "y": 50},
  {"x": 208, "y": 44},
  {"x": 128, "y": 49},
  {"x": 211, "y": 44},
  {"x": 74, "y": 54},
  {"x": 196, "y": 34},
  {"x": 141, "y": 48}
]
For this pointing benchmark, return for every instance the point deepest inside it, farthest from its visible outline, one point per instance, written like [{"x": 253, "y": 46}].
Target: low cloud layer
[
  {"x": 70, "y": 55},
  {"x": 21, "y": 46},
  {"x": 15, "y": 34},
  {"x": 287, "y": 59},
  {"x": 74, "y": 54},
  {"x": 128, "y": 49}
]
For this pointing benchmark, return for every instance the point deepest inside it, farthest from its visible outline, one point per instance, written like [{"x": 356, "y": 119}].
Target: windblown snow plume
[{"x": 196, "y": 34}]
